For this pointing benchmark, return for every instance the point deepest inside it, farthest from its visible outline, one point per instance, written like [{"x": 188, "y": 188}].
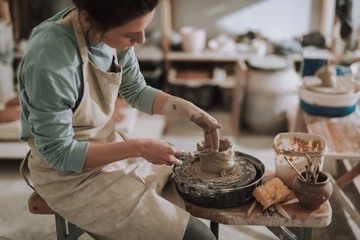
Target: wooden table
[
  {"x": 301, "y": 223},
  {"x": 342, "y": 135}
]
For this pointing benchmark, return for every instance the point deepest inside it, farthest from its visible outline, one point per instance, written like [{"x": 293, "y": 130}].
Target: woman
[{"x": 75, "y": 65}]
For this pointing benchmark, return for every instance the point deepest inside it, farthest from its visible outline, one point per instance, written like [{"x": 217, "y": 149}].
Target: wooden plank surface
[
  {"x": 342, "y": 134},
  {"x": 300, "y": 217}
]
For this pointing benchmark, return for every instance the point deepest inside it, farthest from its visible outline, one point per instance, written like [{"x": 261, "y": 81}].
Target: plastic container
[
  {"x": 295, "y": 146},
  {"x": 311, "y": 65},
  {"x": 331, "y": 105},
  {"x": 327, "y": 101}
]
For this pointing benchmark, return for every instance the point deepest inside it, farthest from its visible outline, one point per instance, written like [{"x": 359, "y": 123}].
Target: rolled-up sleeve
[{"x": 48, "y": 97}]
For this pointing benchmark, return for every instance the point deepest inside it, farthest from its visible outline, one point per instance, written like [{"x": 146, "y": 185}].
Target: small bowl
[{"x": 312, "y": 195}]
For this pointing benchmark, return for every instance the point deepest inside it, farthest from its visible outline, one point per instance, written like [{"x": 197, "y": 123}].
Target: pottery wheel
[{"x": 242, "y": 174}]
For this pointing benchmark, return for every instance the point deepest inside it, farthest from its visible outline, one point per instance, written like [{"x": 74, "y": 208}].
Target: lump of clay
[
  {"x": 212, "y": 139},
  {"x": 327, "y": 75},
  {"x": 213, "y": 161},
  {"x": 326, "y": 81}
]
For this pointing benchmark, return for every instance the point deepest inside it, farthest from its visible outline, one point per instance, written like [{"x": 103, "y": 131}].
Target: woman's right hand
[{"x": 158, "y": 151}]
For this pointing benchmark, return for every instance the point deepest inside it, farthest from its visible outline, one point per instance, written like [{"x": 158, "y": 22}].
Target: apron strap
[
  {"x": 115, "y": 64},
  {"x": 22, "y": 169},
  {"x": 115, "y": 57},
  {"x": 80, "y": 37}
]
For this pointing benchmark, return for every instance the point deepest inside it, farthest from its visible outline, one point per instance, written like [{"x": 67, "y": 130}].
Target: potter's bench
[
  {"x": 342, "y": 135},
  {"x": 298, "y": 227}
]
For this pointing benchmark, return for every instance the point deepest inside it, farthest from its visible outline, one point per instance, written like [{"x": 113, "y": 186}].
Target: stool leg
[
  {"x": 74, "y": 231},
  {"x": 214, "y": 227},
  {"x": 60, "y": 227}
]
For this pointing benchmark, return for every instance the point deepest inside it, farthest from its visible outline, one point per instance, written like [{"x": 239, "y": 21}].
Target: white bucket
[
  {"x": 193, "y": 39},
  {"x": 283, "y": 146},
  {"x": 272, "y": 88}
]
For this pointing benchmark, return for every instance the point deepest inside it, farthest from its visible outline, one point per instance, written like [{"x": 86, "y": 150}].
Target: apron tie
[{"x": 24, "y": 163}]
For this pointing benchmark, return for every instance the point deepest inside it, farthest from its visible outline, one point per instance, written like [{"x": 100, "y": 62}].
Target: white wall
[{"x": 275, "y": 19}]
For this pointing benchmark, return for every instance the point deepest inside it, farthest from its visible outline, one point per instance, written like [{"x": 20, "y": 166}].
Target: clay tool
[
  {"x": 291, "y": 201},
  {"x": 282, "y": 211},
  {"x": 251, "y": 208},
  {"x": 301, "y": 176}
]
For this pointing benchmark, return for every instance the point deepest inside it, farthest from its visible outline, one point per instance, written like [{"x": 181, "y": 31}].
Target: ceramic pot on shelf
[{"x": 312, "y": 195}]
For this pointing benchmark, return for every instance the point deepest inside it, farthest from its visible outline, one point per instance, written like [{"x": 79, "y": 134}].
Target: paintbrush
[
  {"x": 307, "y": 175},
  {"x": 317, "y": 173},
  {"x": 301, "y": 176},
  {"x": 309, "y": 160}
]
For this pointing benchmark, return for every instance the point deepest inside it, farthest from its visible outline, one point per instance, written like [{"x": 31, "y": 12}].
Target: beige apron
[{"x": 121, "y": 200}]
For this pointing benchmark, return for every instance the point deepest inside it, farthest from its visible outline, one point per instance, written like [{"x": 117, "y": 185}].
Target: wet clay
[
  {"x": 327, "y": 75},
  {"x": 212, "y": 140},
  {"x": 211, "y": 167},
  {"x": 215, "y": 162},
  {"x": 241, "y": 174},
  {"x": 326, "y": 81}
]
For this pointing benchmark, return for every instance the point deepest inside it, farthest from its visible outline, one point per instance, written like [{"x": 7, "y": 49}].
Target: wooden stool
[{"x": 65, "y": 230}]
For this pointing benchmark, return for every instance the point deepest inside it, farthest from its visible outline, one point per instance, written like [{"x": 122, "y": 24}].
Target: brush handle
[{"x": 301, "y": 176}]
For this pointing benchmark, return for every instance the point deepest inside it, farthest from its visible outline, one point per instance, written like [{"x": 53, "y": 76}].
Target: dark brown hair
[{"x": 107, "y": 14}]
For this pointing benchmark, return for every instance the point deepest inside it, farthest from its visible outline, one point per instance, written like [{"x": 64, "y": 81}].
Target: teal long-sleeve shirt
[{"x": 51, "y": 87}]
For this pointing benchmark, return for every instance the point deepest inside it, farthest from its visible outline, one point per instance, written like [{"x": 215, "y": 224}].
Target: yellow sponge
[{"x": 271, "y": 192}]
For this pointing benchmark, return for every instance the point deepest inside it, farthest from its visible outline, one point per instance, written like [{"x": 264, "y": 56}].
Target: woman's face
[{"x": 129, "y": 34}]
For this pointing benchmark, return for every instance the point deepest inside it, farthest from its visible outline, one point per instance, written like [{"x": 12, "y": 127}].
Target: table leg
[
  {"x": 214, "y": 227},
  {"x": 291, "y": 233},
  {"x": 345, "y": 202},
  {"x": 302, "y": 233},
  {"x": 348, "y": 177}
]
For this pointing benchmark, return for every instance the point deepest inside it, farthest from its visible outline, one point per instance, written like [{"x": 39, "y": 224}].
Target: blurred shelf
[{"x": 13, "y": 150}]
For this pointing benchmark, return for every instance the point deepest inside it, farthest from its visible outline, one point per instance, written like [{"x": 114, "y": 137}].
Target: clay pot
[{"x": 313, "y": 195}]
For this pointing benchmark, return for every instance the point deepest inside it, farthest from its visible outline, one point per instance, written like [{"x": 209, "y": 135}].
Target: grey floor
[{"x": 16, "y": 223}]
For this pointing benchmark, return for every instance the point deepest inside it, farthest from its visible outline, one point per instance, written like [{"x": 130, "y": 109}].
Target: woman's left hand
[
  {"x": 205, "y": 121},
  {"x": 210, "y": 127}
]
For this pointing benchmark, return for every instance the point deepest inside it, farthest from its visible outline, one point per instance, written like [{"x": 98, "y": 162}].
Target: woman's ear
[{"x": 85, "y": 19}]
